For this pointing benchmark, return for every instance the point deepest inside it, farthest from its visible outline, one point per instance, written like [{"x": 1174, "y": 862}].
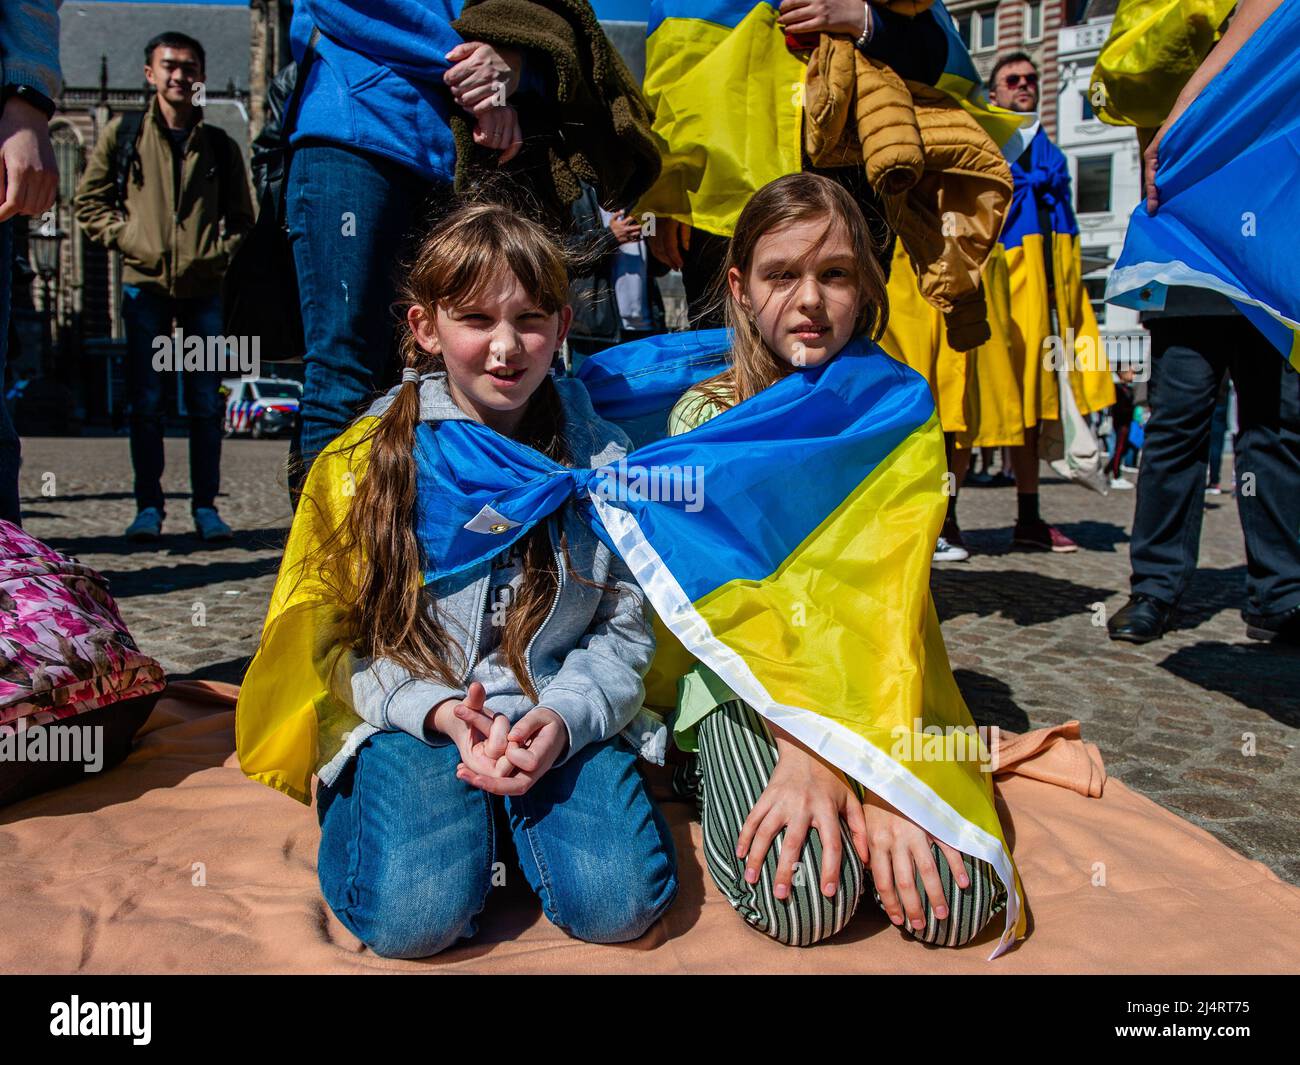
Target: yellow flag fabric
[
  {"x": 1153, "y": 48},
  {"x": 288, "y": 721},
  {"x": 728, "y": 106},
  {"x": 979, "y": 393}
]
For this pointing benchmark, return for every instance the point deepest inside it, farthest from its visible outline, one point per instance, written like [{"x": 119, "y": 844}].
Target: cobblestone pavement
[{"x": 1025, "y": 631}]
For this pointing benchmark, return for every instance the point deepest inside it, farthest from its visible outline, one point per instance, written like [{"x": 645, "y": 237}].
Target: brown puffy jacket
[
  {"x": 180, "y": 253},
  {"x": 945, "y": 184}
]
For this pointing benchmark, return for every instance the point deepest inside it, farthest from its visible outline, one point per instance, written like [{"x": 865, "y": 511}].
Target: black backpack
[
  {"x": 260, "y": 290},
  {"x": 127, "y": 155},
  {"x": 128, "y": 138}
]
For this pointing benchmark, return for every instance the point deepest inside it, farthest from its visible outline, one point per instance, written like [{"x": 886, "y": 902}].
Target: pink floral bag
[{"x": 64, "y": 648}]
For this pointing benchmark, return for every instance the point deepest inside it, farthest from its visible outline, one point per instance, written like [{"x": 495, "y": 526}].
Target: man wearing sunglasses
[{"x": 1041, "y": 175}]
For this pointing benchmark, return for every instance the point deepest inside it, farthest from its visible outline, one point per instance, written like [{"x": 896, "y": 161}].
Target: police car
[{"x": 261, "y": 406}]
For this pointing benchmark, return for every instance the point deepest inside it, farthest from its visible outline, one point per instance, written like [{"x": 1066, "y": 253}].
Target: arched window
[{"x": 69, "y": 156}]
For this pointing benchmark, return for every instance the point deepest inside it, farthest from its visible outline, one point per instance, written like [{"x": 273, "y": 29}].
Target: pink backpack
[{"x": 64, "y": 648}]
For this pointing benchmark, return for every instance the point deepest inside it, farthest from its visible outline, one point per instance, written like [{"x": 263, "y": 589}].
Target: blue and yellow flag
[
  {"x": 990, "y": 396},
  {"x": 1227, "y": 212},
  {"x": 795, "y": 564},
  {"x": 1040, "y": 232},
  {"x": 1153, "y": 47}
]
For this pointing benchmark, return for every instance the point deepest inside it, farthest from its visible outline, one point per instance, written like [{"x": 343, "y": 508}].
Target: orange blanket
[{"x": 175, "y": 862}]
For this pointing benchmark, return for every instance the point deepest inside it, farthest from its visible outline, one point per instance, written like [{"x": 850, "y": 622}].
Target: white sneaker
[
  {"x": 946, "y": 552},
  {"x": 1121, "y": 483},
  {"x": 1214, "y": 490}
]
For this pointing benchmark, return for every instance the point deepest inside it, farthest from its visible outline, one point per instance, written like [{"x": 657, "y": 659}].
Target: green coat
[{"x": 177, "y": 248}]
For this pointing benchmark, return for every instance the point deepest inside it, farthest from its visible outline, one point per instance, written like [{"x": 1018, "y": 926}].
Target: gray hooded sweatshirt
[{"x": 587, "y": 659}]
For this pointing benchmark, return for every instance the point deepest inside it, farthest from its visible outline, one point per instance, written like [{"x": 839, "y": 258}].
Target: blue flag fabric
[{"x": 1227, "y": 214}]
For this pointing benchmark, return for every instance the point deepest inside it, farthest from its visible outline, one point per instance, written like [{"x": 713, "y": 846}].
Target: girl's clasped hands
[{"x": 498, "y": 757}]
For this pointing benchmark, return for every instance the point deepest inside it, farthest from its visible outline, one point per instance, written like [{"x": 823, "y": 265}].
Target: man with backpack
[{"x": 170, "y": 193}]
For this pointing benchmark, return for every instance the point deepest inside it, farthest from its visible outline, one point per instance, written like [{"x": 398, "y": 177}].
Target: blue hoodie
[
  {"x": 376, "y": 82},
  {"x": 29, "y": 45}
]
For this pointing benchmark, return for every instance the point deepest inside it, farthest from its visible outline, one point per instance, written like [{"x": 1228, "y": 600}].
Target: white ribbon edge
[
  {"x": 837, "y": 744},
  {"x": 1130, "y": 278}
]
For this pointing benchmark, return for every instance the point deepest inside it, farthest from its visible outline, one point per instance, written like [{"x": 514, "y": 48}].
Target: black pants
[
  {"x": 1189, "y": 359},
  {"x": 149, "y": 315}
]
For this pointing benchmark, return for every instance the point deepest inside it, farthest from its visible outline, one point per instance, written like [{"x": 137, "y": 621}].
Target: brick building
[{"x": 992, "y": 28}]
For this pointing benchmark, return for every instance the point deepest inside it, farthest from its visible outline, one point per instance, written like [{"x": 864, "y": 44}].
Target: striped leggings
[{"x": 736, "y": 757}]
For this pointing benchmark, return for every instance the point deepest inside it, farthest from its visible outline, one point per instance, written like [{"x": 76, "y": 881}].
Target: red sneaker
[{"x": 1042, "y": 537}]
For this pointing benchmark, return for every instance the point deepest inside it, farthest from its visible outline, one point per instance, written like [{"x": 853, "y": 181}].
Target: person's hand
[
  {"x": 803, "y": 792},
  {"x": 899, "y": 849},
  {"x": 498, "y": 129},
  {"x": 625, "y": 227},
  {"x": 668, "y": 242},
  {"x": 29, "y": 177},
  {"x": 532, "y": 747},
  {"x": 823, "y": 16},
  {"x": 479, "y": 735},
  {"x": 479, "y": 74},
  {"x": 1151, "y": 156}
]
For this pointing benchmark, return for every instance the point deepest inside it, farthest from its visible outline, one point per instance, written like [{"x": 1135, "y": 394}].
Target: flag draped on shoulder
[
  {"x": 1226, "y": 220},
  {"x": 1041, "y": 242},
  {"x": 288, "y": 721},
  {"x": 785, "y": 543}
]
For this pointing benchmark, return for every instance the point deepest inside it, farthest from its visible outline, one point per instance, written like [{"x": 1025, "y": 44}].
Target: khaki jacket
[
  {"x": 177, "y": 249},
  {"x": 945, "y": 184}
]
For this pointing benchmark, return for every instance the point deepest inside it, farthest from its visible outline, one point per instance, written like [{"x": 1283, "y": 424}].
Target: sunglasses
[{"x": 1014, "y": 80}]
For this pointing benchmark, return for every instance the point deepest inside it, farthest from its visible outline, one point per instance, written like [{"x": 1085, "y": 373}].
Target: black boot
[
  {"x": 1276, "y": 628},
  {"x": 1140, "y": 620}
]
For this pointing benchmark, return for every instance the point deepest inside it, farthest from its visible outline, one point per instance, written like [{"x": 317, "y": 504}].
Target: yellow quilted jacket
[{"x": 944, "y": 182}]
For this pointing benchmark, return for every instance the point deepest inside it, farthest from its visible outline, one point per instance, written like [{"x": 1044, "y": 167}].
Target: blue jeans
[
  {"x": 148, "y": 315},
  {"x": 10, "y": 449},
  {"x": 351, "y": 217},
  {"x": 407, "y": 850}
]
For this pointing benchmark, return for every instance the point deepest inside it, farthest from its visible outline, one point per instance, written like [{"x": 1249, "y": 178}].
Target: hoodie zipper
[
  {"x": 559, "y": 588},
  {"x": 472, "y": 658}
]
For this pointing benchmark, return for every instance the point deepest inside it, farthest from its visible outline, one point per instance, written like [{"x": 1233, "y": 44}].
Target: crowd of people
[{"x": 450, "y": 687}]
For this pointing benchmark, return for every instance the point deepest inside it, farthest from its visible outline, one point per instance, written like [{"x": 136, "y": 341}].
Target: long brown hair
[
  {"x": 372, "y": 561},
  {"x": 793, "y": 198}
]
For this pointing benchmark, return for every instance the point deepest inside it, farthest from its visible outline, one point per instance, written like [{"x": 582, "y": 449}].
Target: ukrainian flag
[
  {"x": 785, "y": 543},
  {"x": 727, "y": 96},
  {"x": 1226, "y": 220},
  {"x": 803, "y": 578},
  {"x": 803, "y": 581},
  {"x": 1040, "y": 224}
]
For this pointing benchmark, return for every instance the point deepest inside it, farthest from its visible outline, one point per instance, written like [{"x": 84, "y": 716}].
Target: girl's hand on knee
[
  {"x": 804, "y": 792},
  {"x": 533, "y": 745},
  {"x": 899, "y": 849}
]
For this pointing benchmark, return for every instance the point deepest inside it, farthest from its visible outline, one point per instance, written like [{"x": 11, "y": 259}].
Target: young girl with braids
[
  {"x": 789, "y": 840},
  {"x": 492, "y": 697}
]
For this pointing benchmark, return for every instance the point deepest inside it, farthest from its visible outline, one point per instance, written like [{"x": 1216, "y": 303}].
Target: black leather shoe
[
  {"x": 1275, "y": 628},
  {"x": 1140, "y": 620}
]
